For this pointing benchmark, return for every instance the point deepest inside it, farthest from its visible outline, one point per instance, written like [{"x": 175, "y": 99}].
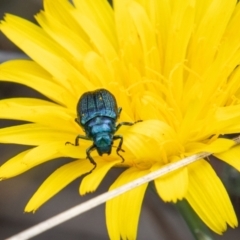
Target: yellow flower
[{"x": 172, "y": 64}]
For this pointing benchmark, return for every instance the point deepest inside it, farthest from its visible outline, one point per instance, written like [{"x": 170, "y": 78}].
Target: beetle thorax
[{"x": 101, "y": 129}]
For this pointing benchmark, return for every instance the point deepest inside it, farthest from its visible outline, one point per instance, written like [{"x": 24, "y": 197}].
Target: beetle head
[{"x": 103, "y": 142}]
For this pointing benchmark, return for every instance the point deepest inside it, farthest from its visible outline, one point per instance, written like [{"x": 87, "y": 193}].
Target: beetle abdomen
[{"x": 96, "y": 103}]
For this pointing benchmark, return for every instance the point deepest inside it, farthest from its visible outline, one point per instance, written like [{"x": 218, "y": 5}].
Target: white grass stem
[{"x": 100, "y": 199}]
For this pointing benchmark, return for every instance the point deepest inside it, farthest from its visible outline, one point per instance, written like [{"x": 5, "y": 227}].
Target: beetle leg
[
  {"x": 126, "y": 124},
  {"x": 119, "y": 111},
  {"x": 119, "y": 148},
  {"x": 77, "y": 140},
  {"x": 80, "y": 137},
  {"x": 77, "y": 121},
  {"x": 89, "y": 150}
]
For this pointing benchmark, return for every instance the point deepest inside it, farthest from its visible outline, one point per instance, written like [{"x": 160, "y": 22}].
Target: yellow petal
[
  {"x": 141, "y": 148},
  {"x": 208, "y": 197},
  {"x": 32, "y": 75},
  {"x": 28, "y": 159},
  {"x": 27, "y": 32},
  {"x": 97, "y": 70},
  {"x": 232, "y": 157},
  {"x": 189, "y": 121},
  {"x": 147, "y": 36},
  {"x": 38, "y": 111},
  {"x": 56, "y": 182},
  {"x": 33, "y": 134},
  {"x": 228, "y": 119},
  {"x": 101, "y": 13},
  {"x": 42, "y": 153},
  {"x": 92, "y": 181},
  {"x": 57, "y": 8},
  {"x": 179, "y": 27},
  {"x": 125, "y": 207},
  {"x": 219, "y": 145},
  {"x": 36, "y": 44},
  {"x": 69, "y": 150},
  {"x": 68, "y": 39},
  {"x": 99, "y": 39},
  {"x": 216, "y": 146},
  {"x": 173, "y": 186},
  {"x": 150, "y": 139},
  {"x": 128, "y": 37},
  {"x": 206, "y": 37}
]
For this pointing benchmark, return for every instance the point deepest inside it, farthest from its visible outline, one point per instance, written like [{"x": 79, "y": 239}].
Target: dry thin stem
[{"x": 94, "y": 202}]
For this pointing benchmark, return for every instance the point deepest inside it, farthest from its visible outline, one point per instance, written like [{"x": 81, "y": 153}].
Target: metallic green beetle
[{"x": 97, "y": 115}]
